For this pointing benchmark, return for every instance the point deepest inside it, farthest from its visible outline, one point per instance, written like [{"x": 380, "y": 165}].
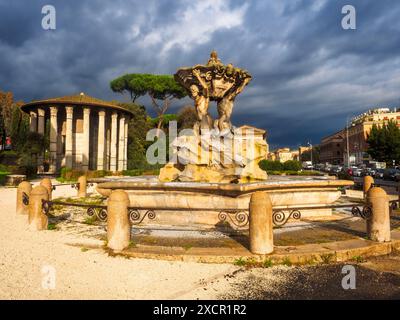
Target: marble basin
[{"x": 196, "y": 202}]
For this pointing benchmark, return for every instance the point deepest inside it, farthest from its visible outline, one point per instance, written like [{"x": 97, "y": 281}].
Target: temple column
[
  {"x": 41, "y": 121},
  {"x": 53, "y": 139},
  {"x": 41, "y": 129},
  {"x": 113, "y": 146},
  {"x": 68, "y": 137},
  {"x": 100, "y": 141},
  {"x": 108, "y": 143},
  {"x": 33, "y": 121},
  {"x": 126, "y": 145},
  {"x": 121, "y": 143},
  {"x": 85, "y": 140}
]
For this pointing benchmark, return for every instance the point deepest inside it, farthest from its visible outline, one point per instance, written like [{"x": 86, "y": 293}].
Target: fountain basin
[{"x": 196, "y": 202}]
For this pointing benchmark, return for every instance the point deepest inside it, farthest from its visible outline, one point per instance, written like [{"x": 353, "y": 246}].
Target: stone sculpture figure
[
  {"x": 201, "y": 103},
  {"x": 222, "y": 153},
  {"x": 214, "y": 61},
  {"x": 213, "y": 82},
  {"x": 225, "y": 107}
]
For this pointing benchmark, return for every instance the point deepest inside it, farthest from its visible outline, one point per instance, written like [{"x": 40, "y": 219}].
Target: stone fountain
[{"x": 214, "y": 166}]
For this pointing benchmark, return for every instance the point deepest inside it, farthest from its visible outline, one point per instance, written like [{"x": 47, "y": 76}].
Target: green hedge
[
  {"x": 295, "y": 173},
  {"x": 270, "y": 165}
]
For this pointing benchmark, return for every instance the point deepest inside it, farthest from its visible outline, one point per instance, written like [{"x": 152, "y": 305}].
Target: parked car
[
  {"x": 390, "y": 174},
  {"x": 379, "y": 173},
  {"x": 367, "y": 172},
  {"x": 357, "y": 172},
  {"x": 335, "y": 169}
]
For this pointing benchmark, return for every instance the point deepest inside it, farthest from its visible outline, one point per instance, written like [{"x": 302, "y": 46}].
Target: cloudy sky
[{"x": 309, "y": 74}]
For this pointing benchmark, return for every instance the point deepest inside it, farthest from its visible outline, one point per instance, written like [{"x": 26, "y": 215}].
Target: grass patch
[
  {"x": 327, "y": 257},
  {"x": 268, "y": 263},
  {"x": 90, "y": 220},
  {"x": 51, "y": 226},
  {"x": 286, "y": 262},
  {"x": 132, "y": 244},
  {"x": 240, "y": 262},
  {"x": 358, "y": 259},
  {"x": 84, "y": 249},
  {"x": 96, "y": 200}
]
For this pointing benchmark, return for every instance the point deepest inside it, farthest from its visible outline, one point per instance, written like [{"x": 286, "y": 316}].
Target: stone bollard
[
  {"x": 378, "y": 225},
  {"x": 23, "y": 187},
  {"x": 37, "y": 219},
  {"x": 261, "y": 228},
  {"x": 368, "y": 182},
  {"x": 46, "y": 182},
  {"x": 82, "y": 181},
  {"x": 398, "y": 192},
  {"x": 118, "y": 227}
]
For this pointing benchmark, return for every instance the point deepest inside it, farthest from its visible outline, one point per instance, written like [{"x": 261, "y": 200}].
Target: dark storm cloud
[{"x": 308, "y": 73}]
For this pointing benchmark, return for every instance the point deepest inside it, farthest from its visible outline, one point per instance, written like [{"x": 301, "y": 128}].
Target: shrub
[
  {"x": 68, "y": 174},
  {"x": 269, "y": 165},
  {"x": 292, "y": 165},
  {"x": 132, "y": 172},
  {"x": 98, "y": 174}
]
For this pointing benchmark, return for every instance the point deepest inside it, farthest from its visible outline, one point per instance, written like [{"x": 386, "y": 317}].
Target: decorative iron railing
[{"x": 239, "y": 218}]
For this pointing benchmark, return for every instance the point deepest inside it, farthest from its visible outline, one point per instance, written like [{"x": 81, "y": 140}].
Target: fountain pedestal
[{"x": 230, "y": 156}]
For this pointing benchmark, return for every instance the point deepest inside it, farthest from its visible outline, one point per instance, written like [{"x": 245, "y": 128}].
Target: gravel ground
[
  {"x": 25, "y": 257},
  {"x": 315, "y": 282}
]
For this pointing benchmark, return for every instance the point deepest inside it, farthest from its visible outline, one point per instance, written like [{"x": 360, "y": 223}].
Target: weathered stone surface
[
  {"x": 118, "y": 228},
  {"x": 82, "y": 180},
  {"x": 23, "y": 187},
  {"x": 261, "y": 228},
  {"x": 37, "y": 219},
  {"x": 218, "y": 157},
  {"x": 378, "y": 226},
  {"x": 46, "y": 182}
]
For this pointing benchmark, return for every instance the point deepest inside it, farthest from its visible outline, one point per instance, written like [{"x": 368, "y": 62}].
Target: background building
[
  {"x": 333, "y": 148},
  {"x": 283, "y": 155},
  {"x": 85, "y": 133},
  {"x": 359, "y": 129}
]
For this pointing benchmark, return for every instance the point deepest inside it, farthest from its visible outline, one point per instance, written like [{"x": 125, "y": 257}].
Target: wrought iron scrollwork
[
  {"x": 135, "y": 216},
  {"x": 279, "y": 217},
  {"x": 100, "y": 213},
  {"x": 239, "y": 218},
  {"x": 394, "y": 205},
  {"x": 75, "y": 186},
  {"x": 46, "y": 205},
  {"x": 365, "y": 213},
  {"x": 25, "y": 198}
]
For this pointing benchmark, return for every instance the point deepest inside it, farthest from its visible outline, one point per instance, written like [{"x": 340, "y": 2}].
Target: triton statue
[{"x": 213, "y": 82}]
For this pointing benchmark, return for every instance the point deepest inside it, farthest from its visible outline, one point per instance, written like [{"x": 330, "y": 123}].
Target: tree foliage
[
  {"x": 138, "y": 127},
  {"x": 162, "y": 88},
  {"x": 187, "y": 117},
  {"x": 13, "y": 122},
  {"x": 384, "y": 142}
]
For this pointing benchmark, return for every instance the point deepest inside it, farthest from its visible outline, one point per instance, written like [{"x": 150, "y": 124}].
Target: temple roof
[{"x": 74, "y": 100}]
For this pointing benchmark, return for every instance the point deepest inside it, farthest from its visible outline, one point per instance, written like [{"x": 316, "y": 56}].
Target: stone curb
[{"x": 329, "y": 252}]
